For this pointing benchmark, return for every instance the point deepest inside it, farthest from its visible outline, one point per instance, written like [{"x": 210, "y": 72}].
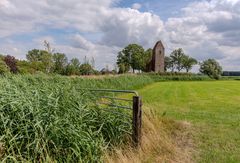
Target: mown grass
[{"x": 212, "y": 107}]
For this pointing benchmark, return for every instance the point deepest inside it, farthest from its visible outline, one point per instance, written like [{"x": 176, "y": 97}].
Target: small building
[{"x": 157, "y": 62}]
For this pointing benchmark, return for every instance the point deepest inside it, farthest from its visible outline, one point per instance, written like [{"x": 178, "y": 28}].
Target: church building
[{"x": 157, "y": 62}]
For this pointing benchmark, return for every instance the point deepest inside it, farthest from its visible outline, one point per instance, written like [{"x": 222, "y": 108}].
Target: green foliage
[
  {"x": 73, "y": 68},
  {"x": 25, "y": 67},
  {"x": 177, "y": 57},
  {"x": 41, "y": 60},
  {"x": 179, "y": 60},
  {"x": 168, "y": 64},
  {"x": 86, "y": 69},
  {"x": 211, "y": 68},
  {"x": 50, "y": 119},
  {"x": 60, "y": 62},
  {"x": 188, "y": 62},
  {"x": 35, "y": 55},
  {"x": 133, "y": 56},
  {"x": 4, "y": 69},
  {"x": 146, "y": 58}
]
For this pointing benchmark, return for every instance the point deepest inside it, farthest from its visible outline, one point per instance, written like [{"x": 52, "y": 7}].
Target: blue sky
[
  {"x": 203, "y": 28},
  {"x": 163, "y": 8}
]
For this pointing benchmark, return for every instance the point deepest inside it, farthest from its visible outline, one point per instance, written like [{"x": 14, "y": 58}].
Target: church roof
[{"x": 158, "y": 43}]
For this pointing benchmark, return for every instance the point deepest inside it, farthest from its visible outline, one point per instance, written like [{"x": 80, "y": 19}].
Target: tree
[
  {"x": 48, "y": 47},
  {"x": 177, "y": 57},
  {"x": 146, "y": 59},
  {"x": 60, "y": 62},
  {"x": 4, "y": 69},
  {"x": 41, "y": 59},
  {"x": 211, "y": 68},
  {"x": 25, "y": 67},
  {"x": 86, "y": 69},
  {"x": 47, "y": 61},
  {"x": 123, "y": 63},
  {"x": 34, "y": 55},
  {"x": 188, "y": 62},
  {"x": 168, "y": 63},
  {"x": 131, "y": 56},
  {"x": 11, "y": 62},
  {"x": 73, "y": 68}
]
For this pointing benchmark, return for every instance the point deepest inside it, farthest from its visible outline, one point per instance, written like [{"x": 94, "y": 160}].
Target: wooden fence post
[{"x": 137, "y": 120}]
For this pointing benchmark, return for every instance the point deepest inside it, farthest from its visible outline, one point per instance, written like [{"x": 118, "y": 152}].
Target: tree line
[
  {"x": 131, "y": 58},
  {"x": 134, "y": 57},
  {"x": 43, "y": 61},
  {"x": 47, "y": 61}
]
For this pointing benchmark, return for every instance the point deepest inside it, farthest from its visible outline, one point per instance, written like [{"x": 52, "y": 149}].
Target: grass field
[
  {"x": 212, "y": 108},
  {"x": 51, "y": 119}
]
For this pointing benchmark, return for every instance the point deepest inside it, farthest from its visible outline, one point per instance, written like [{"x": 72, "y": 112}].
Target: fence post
[{"x": 137, "y": 120}]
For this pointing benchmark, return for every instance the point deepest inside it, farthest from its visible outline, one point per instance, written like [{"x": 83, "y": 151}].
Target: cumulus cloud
[
  {"x": 131, "y": 27},
  {"x": 118, "y": 26},
  {"x": 205, "y": 29}
]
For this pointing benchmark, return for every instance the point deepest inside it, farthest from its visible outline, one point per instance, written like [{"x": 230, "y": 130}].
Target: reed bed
[{"x": 49, "y": 118}]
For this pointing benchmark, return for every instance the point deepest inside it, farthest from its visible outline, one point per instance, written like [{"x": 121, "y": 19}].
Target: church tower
[{"x": 157, "y": 62}]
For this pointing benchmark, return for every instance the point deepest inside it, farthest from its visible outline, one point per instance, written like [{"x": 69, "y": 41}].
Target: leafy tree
[
  {"x": 25, "y": 67},
  {"x": 177, "y": 57},
  {"x": 11, "y": 62},
  {"x": 41, "y": 58},
  {"x": 211, "y": 68},
  {"x": 132, "y": 55},
  {"x": 73, "y": 68},
  {"x": 60, "y": 62},
  {"x": 47, "y": 61},
  {"x": 146, "y": 59},
  {"x": 4, "y": 69},
  {"x": 86, "y": 69},
  {"x": 35, "y": 55},
  {"x": 188, "y": 62},
  {"x": 123, "y": 63},
  {"x": 168, "y": 63}
]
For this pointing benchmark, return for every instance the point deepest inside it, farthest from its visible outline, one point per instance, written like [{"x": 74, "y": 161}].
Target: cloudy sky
[{"x": 100, "y": 28}]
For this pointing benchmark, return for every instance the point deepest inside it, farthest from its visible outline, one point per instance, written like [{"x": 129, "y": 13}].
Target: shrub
[
  {"x": 11, "y": 62},
  {"x": 211, "y": 68},
  {"x": 3, "y": 67}
]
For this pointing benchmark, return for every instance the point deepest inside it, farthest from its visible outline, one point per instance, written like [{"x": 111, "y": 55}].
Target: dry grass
[{"x": 162, "y": 141}]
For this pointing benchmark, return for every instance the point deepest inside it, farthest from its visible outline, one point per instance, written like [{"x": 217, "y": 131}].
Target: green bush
[{"x": 3, "y": 67}]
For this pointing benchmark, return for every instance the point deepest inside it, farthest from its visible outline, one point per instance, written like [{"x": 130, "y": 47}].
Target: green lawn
[{"x": 213, "y": 109}]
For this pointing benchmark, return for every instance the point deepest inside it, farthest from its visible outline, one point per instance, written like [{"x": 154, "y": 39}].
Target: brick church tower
[{"x": 157, "y": 62}]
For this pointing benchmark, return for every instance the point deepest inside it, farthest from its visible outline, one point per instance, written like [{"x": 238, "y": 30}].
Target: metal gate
[{"x": 125, "y": 100}]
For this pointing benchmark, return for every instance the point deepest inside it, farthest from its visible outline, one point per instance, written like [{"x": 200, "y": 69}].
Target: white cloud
[
  {"x": 118, "y": 26},
  {"x": 125, "y": 26},
  {"x": 208, "y": 29},
  {"x": 205, "y": 29}
]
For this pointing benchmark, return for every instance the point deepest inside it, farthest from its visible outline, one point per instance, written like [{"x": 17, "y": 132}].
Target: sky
[{"x": 101, "y": 28}]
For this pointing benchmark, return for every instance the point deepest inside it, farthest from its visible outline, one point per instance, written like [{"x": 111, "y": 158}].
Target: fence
[{"x": 116, "y": 99}]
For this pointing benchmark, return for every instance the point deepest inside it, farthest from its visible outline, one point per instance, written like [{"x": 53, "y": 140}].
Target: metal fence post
[{"x": 137, "y": 120}]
